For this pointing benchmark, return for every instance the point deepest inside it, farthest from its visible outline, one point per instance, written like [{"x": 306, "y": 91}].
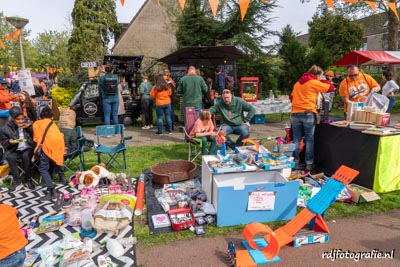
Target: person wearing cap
[
  {"x": 233, "y": 119},
  {"x": 5, "y": 99},
  {"x": 53, "y": 148},
  {"x": 329, "y": 96},
  {"x": 17, "y": 140},
  {"x": 146, "y": 102}
]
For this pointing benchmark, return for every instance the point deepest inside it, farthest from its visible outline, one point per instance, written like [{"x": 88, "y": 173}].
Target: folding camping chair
[
  {"x": 111, "y": 153},
  {"x": 75, "y": 141},
  {"x": 194, "y": 144}
]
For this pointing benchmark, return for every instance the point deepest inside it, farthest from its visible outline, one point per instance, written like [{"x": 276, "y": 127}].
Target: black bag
[{"x": 110, "y": 85}]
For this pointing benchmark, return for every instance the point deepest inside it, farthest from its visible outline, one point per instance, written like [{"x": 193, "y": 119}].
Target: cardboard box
[
  {"x": 360, "y": 115},
  {"x": 305, "y": 237},
  {"x": 231, "y": 195},
  {"x": 383, "y": 119},
  {"x": 360, "y": 194},
  {"x": 372, "y": 117}
]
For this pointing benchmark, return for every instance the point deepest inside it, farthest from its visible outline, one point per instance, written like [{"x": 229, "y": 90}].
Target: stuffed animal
[
  {"x": 87, "y": 178},
  {"x": 102, "y": 172}
]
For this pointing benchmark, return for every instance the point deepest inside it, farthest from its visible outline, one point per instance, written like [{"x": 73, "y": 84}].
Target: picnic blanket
[{"x": 29, "y": 204}]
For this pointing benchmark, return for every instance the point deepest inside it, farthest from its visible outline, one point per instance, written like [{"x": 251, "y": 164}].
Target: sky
[{"x": 46, "y": 15}]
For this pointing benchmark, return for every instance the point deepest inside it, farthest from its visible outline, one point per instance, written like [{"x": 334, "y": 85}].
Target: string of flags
[
  {"x": 13, "y": 36},
  {"x": 372, "y": 4}
]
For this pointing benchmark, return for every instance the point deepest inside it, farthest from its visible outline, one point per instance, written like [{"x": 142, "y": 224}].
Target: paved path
[{"x": 379, "y": 231}]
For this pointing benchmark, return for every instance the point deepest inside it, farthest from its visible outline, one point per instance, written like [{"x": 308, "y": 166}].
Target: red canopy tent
[{"x": 369, "y": 58}]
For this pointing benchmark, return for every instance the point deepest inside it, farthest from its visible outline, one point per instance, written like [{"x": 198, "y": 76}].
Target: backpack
[
  {"x": 110, "y": 85},
  {"x": 229, "y": 82}
]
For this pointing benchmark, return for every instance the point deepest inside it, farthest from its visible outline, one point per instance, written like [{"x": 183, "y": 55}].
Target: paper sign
[
  {"x": 261, "y": 201},
  {"x": 25, "y": 81}
]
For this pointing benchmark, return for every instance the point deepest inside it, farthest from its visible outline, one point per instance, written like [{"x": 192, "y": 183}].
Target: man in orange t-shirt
[
  {"x": 304, "y": 107},
  {"x": 12, "y": 241},
  {"x": 357, "y": 86}
]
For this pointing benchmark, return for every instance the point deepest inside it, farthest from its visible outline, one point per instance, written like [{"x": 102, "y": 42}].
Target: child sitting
[{"x": 204, "y": 129}]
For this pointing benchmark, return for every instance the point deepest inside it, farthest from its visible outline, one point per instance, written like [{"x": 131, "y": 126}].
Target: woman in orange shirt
[
  {"x": 12, "y": 241},
  {"x": 304, "y": 108},
  {"x": 161, "y": 92}
]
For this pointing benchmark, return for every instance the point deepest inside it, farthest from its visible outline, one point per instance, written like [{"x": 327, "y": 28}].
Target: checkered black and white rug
[{"x": 29, "y": 203}]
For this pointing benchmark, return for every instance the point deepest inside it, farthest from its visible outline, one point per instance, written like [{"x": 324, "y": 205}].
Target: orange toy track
[{"x": 285, "y": 234}]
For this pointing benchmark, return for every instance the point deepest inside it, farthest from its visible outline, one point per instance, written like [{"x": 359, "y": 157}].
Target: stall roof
[
  {"x": 369, "y": 58},
  {"x": 203, "y": 55}
]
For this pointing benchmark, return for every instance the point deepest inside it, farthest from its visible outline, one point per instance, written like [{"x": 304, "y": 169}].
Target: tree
[
  {"x": 197, "y": 26},
  {"x": 94, "y": 24},
  {"x": 320, "y": 55},
  {"x": 362, "y": 9},
  {"x": 52, "y": 48},
  {"x": 335, "y": 32},
  {"x": 293, "y": 54}
]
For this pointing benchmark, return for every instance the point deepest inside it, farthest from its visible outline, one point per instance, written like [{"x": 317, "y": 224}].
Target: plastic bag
[{"x": 378, "y": 101}]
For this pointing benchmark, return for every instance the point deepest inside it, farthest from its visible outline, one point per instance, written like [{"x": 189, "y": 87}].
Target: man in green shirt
[
  {"x": 192, "y": 87},
  {"x": 233, "y": 119}
]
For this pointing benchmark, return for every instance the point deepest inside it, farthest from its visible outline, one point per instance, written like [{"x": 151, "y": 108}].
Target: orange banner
[
  {"x": 182, "y": 4},
  {"x": 392, "y": 6},
  {"x": 330, "y": 3},
  {"x": 16, "y": 33},
  {"x": 244, "y": 5},
  {"x": 371, "y": 4},
  {"x": 214, "y": 6},
  {"x": 10, "y": 38}
]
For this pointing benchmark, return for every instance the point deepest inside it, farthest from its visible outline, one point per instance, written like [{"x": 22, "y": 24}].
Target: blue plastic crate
[{"x": 258, "y": 119}]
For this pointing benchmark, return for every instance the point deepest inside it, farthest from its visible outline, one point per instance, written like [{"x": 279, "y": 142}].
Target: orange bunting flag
[
  {"x": 16, "y": 33},
  {"x": 122, "y": 2},
  {"x": 3, "y": 46},
  {"x": 350, "y": 1},
  {"x": 392, "y": 6},
  {"x": 182, "y": 4},
  {"x": 214, "y": 6},
  {"x": 10, "y": 38},
  {"x": 371, "y": 4},
  {"x": 330, "y": 3},
  {"x": 243, "y": 4},
  {"x": 264, "y": 1}
]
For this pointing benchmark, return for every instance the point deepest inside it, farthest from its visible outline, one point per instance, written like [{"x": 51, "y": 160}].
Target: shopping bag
[{"x": 378, "y": 101}]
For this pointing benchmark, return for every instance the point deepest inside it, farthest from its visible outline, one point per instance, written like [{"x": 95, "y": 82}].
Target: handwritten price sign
[{"x": 261, "y": 201}]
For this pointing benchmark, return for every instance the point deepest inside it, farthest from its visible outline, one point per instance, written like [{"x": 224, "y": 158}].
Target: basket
[{"x": 173, "y": 171}]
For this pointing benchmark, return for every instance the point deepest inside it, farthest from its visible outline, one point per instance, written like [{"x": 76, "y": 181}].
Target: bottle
[
  {"x": 32, "y": 224},
  {"x": 271, "y": 95},
  {"x": 276, "y": 147}
]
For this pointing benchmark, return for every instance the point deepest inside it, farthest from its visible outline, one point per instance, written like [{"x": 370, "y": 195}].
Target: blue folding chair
[{"x": 108, "y": 154}]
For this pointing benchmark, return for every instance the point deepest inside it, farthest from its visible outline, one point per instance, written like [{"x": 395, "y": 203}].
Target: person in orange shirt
[
  {"x": 12, "y": 240},
  {"x": 172, "y": 85},
  {"x": 204, "y": 129},
  {"x": 304, "y": 110},
  {"x": 53, "y": 149},
  {"x": 357, "y": 86},
  {"x": 161, "y": 92},
  {"x": 5, "y": 98}
]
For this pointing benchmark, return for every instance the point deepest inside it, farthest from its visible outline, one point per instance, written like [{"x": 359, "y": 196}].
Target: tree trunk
[{"x": 393, "y": 33}]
